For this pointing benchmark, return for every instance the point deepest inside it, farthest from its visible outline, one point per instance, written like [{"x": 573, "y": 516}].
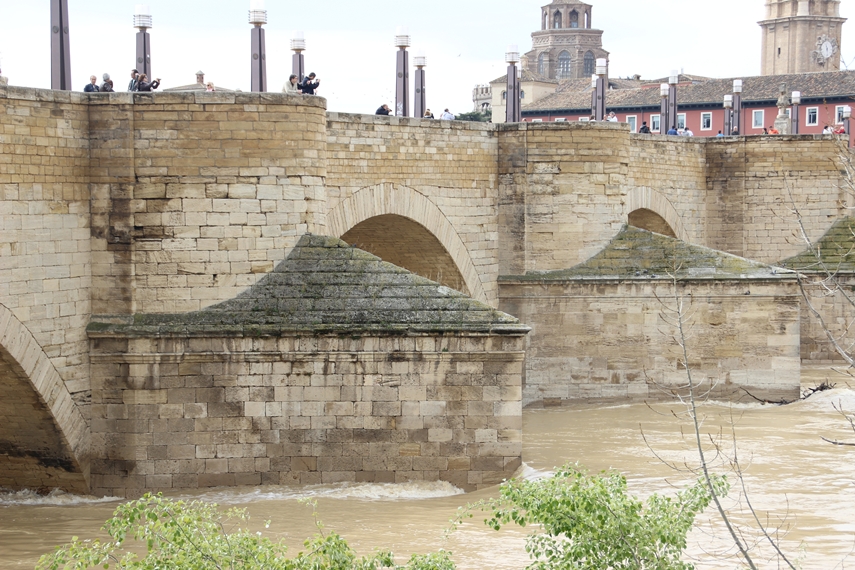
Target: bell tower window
[
  {"x": 556, "y": 20},
  {"x": 574, "y": 19},
  {"x": 564, "y": 66},
  {"x": 590, "y": 64},
  {"x": 541, "y": 64}
]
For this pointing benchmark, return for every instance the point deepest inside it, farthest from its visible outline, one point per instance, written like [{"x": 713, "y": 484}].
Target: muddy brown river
[{"x": 803, "y": 487}]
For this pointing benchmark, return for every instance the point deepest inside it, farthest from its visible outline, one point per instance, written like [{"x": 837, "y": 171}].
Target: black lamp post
[
  {"x": 143, "y": 22},
  {"x": 728, "y": 114},
  {"x": 402, "y": 76},
  {"x": 60, "y": 54},
  {"x": 796, "y": 99},
  {"x": 298, "y": 62},
  {"x": 258, "y": 17},
  {"x": 421, "y": 98},
  {"x": 847, "y": 125},
  {"x": 737, "y": 106},
  {"x": 513, "y": 110},
  {"x": 673, "y": 80},
  {"x": 599, "y": 102}
]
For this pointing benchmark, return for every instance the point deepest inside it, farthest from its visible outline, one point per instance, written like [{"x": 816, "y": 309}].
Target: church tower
[
  {"x": 567, "y": 46},
  {"x": 801, "y": 36}
]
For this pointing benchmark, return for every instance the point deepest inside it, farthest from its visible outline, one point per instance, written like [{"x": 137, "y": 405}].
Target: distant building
[
  {"x": 801, "y": 36},
  {"x": 824, "y": 95},
  {"x": 482, "y": 96},
  {"x": 567, "y": 46},
  {"x": 532, "y": 88},
  {"x": 801, "y": 50},
  {"x": 200, "y": 85}
]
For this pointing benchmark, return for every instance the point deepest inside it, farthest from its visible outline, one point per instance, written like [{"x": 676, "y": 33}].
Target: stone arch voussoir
[
  {"x": 649, "y": 199},
  {"x": 388, "y": 198},
  {"x": 22, "y": 354}
]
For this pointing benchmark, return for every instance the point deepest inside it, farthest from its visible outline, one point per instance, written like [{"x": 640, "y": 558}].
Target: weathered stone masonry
[
  {"x": 335, "y": 367},
  {"x": 121, "y": 207}
]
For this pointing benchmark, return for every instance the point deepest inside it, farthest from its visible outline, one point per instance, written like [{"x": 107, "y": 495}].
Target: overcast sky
[{"x": 351, "y": 47}]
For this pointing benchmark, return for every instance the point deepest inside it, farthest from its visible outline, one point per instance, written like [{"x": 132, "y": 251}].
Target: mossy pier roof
[
  {"x": 836, "y": 251},
  {"x": 327, "y": 286},
  {"x": 640, "y": 254}
]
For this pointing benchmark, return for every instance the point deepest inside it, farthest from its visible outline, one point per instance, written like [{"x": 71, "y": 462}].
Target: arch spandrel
[
  {"x": 639, "y": 199},
  {"x": 392, "y": 199},
  {"x": 44, "y": 438}
]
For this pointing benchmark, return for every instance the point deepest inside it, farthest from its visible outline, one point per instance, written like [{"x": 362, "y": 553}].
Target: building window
[
  {"x": 706, "y": 121},
  {"x": 584, "y": 119},
  {"x": 541, "y": 64},
  {"x": 574, "y": 19},
  {"x": 556, "y": 21},
  {"x": 590, "y": 64},
  {"x": 561, "y": 120},
  {"x": 522, "y": 94},
  {"x": 654, "y": 123},
  {"x": 504, "y": 95},
  {"x": 812, "y": 116},
  {"x": 757, "y": 119},
  {"x": 633, "y": 122},
  {"x": 564, "y": 65},
  {"x": 681, "y": 120},
  {"x": 838, "y": 114},
  {"x": 537, "y": 120}
]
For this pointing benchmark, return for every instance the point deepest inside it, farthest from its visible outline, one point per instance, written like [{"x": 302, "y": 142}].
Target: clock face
[{"x": 827, "y": 49}]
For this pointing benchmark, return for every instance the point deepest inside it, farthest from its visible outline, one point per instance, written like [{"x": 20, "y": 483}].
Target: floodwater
[{"x": 802, "y": 487}]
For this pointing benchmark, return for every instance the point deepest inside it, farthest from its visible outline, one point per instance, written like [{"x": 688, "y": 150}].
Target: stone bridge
[{"x": 116, "y": 206}]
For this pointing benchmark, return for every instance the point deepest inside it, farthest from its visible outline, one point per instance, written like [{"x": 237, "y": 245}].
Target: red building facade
[{"x": 700, "y": 102}]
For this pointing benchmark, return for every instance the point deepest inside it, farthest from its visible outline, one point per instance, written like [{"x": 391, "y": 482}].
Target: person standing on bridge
[
  {"x": 310, "y": 83},
  {"x": 673, "y": 131},
  {"x": 135, "y": 80},
  {"x": 92, "y": 86},
  {"x": 292, "y": 86}
]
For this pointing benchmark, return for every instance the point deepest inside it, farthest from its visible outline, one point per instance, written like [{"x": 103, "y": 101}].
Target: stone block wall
[
  {"x": 569, "y": 181},
  {"x": 201, "y": 412},
  {"x": 667, "y": 175},
  {"x": 749, "y": 184},
  {"x": 45, "y": 266},
  {"x": 606, "y": 339},
  {"x": 218, "y": 188},
  {"x": 450, "y": 164}
]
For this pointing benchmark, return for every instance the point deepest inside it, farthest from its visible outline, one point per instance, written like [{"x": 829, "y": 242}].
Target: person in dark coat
[
  {"x": 644, "y": 130},
  {"x": 310, "y": 83},
  {"x": 135, "y": 80},
  {"x": 92, "y": 87},
  {"x": 146, "y": 85},
  {"x": 384, "y": 110},
  {"x": 107, "y": 86}
]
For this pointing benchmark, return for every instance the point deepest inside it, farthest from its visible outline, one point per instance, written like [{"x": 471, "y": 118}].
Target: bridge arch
[
  {"x": 647, "y": 209},
  {"x": 389, "y": 207},
  {"x": 44, "y": 438}
]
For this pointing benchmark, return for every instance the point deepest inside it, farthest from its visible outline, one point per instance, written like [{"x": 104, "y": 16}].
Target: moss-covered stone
[
  {"x": 639, "y": 254},
  {"x": 327, "y": 286},
  {"x": 835, "y": 250}
]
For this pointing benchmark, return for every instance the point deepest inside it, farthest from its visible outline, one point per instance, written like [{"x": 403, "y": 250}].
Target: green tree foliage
[
  {"x": 197, "y": 536},
  {"x": 591, "y": 522},
  {"x": 477, "y": 116}
]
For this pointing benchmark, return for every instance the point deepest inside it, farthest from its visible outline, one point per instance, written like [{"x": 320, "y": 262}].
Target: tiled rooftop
[{"x": 575, "y": 94}]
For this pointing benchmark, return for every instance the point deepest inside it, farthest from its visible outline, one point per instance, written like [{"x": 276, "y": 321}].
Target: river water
[{"x": 801, "y": 486}]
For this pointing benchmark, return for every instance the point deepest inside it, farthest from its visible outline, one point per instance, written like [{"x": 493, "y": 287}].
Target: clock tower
[{"x": 801, "y": 36}]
